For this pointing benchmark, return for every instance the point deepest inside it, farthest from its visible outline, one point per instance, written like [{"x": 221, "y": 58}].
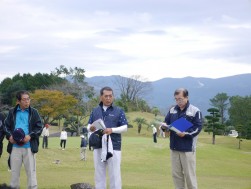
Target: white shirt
[
  {"x": 63, "y": 135},
  {"x": 154, "y": 130},
  {"x": 45, "y": 132}
]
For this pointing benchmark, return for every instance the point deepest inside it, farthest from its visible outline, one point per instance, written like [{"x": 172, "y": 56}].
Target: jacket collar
[
  {"x": 17, "y": 107},
  {"x": 110, "y": 107},
  {"x": 178, "y": 108}
]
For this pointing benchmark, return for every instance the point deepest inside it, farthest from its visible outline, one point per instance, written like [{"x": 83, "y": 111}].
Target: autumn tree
[
  {"x": 52, "y": 104},
  {"x": 79, "y": 89}
]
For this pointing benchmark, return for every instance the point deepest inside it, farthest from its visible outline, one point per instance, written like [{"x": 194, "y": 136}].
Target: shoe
[{"x": 63, "y": 149}]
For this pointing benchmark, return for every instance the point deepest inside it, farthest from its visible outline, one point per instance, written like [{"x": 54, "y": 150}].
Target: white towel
[{"x": 107, "y": 148}]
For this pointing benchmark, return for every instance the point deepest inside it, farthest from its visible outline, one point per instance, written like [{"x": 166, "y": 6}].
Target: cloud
[{"x": 155, "y": 39}]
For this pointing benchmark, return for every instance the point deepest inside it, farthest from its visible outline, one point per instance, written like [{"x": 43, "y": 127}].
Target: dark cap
[
  {"x": 18, "y": 135},
  {"x": 95, "y": 139}
]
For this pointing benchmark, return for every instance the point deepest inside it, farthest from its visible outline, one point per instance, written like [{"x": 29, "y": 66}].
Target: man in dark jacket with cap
[{"x": 23, "y": 120}]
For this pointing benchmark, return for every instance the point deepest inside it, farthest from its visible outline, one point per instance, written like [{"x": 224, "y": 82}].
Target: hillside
[{"x": 200, "y": 89}]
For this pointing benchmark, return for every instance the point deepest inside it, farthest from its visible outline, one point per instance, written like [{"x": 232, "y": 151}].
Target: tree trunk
[{"x": 213, "y": 138}]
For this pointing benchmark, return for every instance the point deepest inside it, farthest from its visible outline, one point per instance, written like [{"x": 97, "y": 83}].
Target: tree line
[
  {"x": 64, "y": 95},
  {"x": 229, "y": 113}
]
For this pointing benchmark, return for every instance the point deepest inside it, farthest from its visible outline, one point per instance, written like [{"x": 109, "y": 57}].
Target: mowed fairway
[{"x": 145, "y": 165}]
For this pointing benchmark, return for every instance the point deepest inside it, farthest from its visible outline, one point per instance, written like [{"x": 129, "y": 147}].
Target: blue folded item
[{"x": 180, "y": 125}]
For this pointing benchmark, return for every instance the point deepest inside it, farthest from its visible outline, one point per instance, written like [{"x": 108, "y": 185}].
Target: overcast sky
[{"x": 151, "y": 38}]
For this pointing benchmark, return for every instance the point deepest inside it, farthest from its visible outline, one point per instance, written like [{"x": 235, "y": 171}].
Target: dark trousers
[
  {"x": 9, "y": 163},
  {"x": 155, "y": 137},
  {"x": 45, "y": 142},
  {"x": 62, "y": 142}
]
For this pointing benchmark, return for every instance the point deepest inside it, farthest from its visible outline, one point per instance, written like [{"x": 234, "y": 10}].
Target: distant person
[
  {"x": 85, "y": 132},
  {"x": 63, "y": 139},
  {"x": 116, "y": 123},
  {"x": 2, "y": 134},
  {"x": 23, "y": 126},
  {"x": 83, "y": 147},
  {"x": 183, "y": 145},
  {"x": 87, "y": 135},
  {"x": 45, "y": 134},
  {"x": 154, "y": 133}
]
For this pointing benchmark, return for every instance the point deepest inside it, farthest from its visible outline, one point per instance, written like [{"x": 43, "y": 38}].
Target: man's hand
[
  {"x": 92, "y": 128},
  {"x": 26, "y": 139},
  {"x": 107, "y": 131},
  {"x": 163, "y": 128},
  {"x": 12, "y": 141},
  {"x": 181, "y": 134}
]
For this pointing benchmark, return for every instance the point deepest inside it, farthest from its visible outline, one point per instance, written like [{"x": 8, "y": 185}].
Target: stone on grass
[{"x": 82, "y": 186}]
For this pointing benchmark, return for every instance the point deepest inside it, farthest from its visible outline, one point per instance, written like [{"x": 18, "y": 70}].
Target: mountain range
[{"x": 201, "y": 90}]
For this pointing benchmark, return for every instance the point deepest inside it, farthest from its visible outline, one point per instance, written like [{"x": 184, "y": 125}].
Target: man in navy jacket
[
  {"x": 116, "y": 123},
  {"x": 183, "y": 144}
]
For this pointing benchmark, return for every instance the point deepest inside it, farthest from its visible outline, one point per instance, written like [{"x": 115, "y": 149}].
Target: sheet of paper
[{"x": 99, "y": 124}]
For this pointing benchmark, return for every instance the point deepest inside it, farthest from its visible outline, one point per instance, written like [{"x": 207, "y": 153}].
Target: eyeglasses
[
  {"x": 179, "y": 99},
  {"x": 108, "y": 96},
  {"x": 25, "y": 99}
]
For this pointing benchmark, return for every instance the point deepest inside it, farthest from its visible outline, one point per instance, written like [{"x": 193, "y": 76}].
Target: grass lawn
[{"x": 145, "y": 165}]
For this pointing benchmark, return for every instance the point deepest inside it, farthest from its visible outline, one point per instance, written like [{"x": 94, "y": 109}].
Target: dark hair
[
  {"x": 105, "y": 89},
  {"x": 181, "y": 90},
  {"x": 21, "y": 93}
]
